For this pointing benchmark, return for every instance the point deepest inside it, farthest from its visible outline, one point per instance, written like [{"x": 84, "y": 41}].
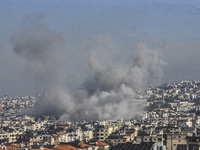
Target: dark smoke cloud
[
  {"x": 41, "y": 47},
  {"x": 111, "y": 89}
]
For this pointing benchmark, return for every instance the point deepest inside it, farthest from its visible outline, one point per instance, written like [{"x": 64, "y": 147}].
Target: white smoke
[{"x": 109, "y": 92}]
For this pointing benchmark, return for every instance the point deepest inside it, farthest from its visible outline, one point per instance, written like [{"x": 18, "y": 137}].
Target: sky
[{"x": 170, "y": 27}]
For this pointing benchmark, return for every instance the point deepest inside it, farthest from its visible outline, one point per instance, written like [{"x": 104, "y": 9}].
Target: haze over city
[
  {"x": 99, "y": 74},
  {"x": 96, "y": 55}
]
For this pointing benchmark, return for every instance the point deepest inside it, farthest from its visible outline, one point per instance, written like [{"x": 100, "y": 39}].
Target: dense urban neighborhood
[{"x": 171, "y": 121}]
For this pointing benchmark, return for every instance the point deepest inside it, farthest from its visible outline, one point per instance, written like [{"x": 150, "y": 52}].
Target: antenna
[{"x": 163, "y": 97}]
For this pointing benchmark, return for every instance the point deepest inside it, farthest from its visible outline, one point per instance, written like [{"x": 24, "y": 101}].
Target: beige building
[
  {"x": 12, "y": 137},
  {"x": 157, "y": 138},
  {"x": 86, "y": 135},
  {"x": 175, "y": 139},
  {"x": 102, "y": 132}
]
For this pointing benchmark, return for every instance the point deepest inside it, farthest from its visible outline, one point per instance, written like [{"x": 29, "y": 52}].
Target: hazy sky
[{"x": 171, "y": 27}]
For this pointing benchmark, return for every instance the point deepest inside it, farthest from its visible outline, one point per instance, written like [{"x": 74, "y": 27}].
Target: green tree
[{"x": 108, "y": 142}]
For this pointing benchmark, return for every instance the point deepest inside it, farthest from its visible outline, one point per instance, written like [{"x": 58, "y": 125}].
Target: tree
[
  {"x": 151, "y": 107},
  {"x": 108, "y": 142}
]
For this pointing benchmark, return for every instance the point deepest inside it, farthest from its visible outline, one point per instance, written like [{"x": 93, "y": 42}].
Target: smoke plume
[{"x": 111, "y": 88}]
